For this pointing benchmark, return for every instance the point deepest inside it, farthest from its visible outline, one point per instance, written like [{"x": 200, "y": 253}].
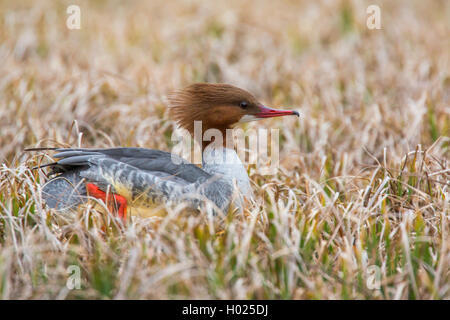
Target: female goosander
[{"x": 138, "y": 180}]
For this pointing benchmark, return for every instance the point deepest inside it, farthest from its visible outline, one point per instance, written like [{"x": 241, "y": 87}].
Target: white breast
[{"x": 226, "y": 162}]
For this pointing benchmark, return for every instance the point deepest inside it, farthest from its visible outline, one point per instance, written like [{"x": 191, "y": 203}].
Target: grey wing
[
  {"x": 66, "y": 191},
  {"x": 143, "y": 159},
  {"x": 136, "y": 171}
]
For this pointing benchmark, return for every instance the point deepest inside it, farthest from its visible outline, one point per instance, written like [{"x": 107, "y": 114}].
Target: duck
[{"x": 134, "y": 181}]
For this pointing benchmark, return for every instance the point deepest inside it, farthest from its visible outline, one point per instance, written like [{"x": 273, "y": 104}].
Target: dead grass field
[{"x": 364, "y": 178}]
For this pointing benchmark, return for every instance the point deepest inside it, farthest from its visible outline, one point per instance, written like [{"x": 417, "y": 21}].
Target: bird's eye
[{"x": 243, "y": 104}]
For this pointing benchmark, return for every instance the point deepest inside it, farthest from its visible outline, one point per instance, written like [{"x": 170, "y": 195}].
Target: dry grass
[{"x": 365, "y": 175}]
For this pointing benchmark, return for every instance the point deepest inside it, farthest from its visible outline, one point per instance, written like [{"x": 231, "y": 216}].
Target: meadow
[{"x": 359, "y": 207}]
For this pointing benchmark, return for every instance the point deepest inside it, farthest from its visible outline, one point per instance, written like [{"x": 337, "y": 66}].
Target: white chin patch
[{"x": 248, "y": 118}]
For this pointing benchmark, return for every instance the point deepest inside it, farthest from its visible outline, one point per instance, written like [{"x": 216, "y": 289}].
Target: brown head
[{"x": 218, "y": 106}]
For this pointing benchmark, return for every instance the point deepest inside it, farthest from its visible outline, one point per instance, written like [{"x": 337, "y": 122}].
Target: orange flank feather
[{"x": 117, "y": 201}]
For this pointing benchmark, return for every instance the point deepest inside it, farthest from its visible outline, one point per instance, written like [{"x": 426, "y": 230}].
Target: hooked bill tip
[{"x": 296, "y": 113}]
